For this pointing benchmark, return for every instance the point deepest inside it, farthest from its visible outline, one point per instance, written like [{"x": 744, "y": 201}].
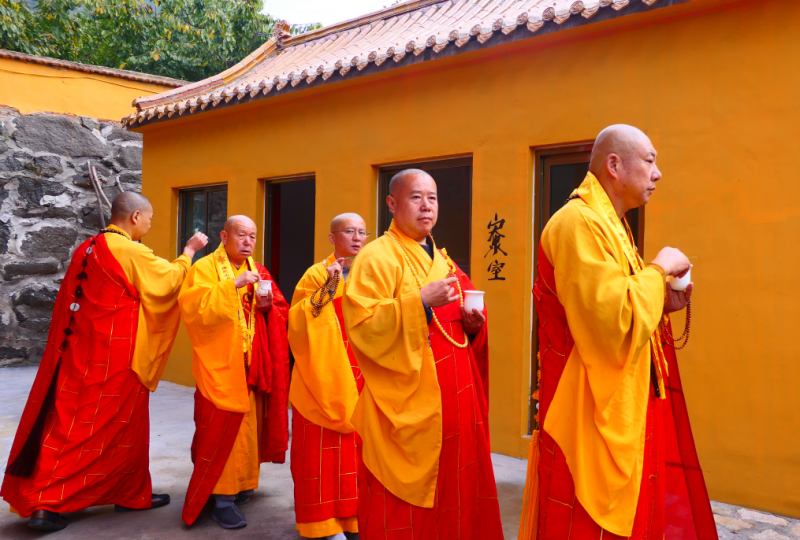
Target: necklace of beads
[
  {"x": 685, "y": 335},
  {"x": 419, "y": 284},
  {"x": 326, "y": 294}
]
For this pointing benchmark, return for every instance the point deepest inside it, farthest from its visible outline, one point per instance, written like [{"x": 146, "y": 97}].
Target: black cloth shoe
[
  {"x": 351, "y": 536},
  {"x": 45, "y": 520},
  {"x": 229, "y": 517},
  {"x": 241, "y": 499},
  {"x": 157, "y": 502}
]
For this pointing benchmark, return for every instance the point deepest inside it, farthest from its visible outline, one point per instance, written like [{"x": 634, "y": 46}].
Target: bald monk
[
  {"x": 326, "y": 382},
  {"x": 241, "y": 366},
  {"x": 83, "y": 439},
  {"x": 426, "y": 469},
  {"x": 617, "y": 455}
]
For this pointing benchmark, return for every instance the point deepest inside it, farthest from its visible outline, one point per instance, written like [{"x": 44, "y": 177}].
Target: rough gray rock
[
  {"x": 48, "y": 166},
  {"x": 24, "y": 269},
  {"x": 32, "y": 190},
  {"x": 119, "y": 134},
  {"x": 57, "y": 134},
  {"x": 46, "y": 212},
  {"x": 54, "y": 241},
  {"x": 15, "y": 162},
  {"x": 3, "y": 147},
  {"x": 130, "y": 157},
  {"x": 5, "y": 235}
]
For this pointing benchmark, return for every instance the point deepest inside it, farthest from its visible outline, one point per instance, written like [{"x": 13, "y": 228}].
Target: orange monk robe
[
  {"x": 113, "y": 326},
  {"x": 324, "y": 391},
  {"x": 422, "y": 414},
  {"x": 603, "y": 376},
  {"x": 253, "y": 400}
]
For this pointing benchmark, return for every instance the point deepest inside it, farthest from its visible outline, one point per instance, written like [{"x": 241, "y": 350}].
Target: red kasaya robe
[
  {"x": 93, "y": 441},
  {"x": 465, "y": 504},
  {"x": 216, "y": 430},
  {"x": 673, "y": 500},
  {"x": 324, "y": 461}
]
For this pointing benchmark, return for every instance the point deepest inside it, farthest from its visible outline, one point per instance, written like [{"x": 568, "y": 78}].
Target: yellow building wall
[
  {"x": 31, "y": 88},
  {"x": 716, "y": 89}
]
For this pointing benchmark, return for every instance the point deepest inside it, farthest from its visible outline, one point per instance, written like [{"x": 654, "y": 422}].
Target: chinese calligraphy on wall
[{"x": 495, "y": 240}]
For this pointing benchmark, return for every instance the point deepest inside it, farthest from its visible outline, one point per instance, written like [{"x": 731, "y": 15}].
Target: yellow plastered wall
[
  {"x": 31, "y": 88},
  {"x": 715, "y": 88}
]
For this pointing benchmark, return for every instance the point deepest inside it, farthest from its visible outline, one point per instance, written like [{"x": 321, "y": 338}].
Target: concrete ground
[{"x": 270, "y": 513}]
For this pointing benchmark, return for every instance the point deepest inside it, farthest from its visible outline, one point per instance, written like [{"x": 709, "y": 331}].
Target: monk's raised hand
[
  {"x": 263, "y": 303},
  {"x": 672, "y": 261},
  {"x": 246, "y": 279},
  {"x": 335, "y": 267},
  {"x": 439, "y": 293},
  {"x": 677, "y": 300},
  {"x": 195, "y": 244},
  {"x": 472, "y": 321}
]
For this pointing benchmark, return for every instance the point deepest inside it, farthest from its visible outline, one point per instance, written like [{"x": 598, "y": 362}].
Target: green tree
[{"x": 185, "y": 39}]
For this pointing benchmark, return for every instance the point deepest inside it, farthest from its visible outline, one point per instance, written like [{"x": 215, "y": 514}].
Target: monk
[
  {"x": 84, "y": 436},
  {"x": 617, "y": 459},
  {"x": 326, "y": 382},
  {"x": 426, "y": 470},
  {"x": 241, "y": 366}
]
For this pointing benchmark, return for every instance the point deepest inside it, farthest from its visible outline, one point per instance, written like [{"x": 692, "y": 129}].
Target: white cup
[
  {"x": 264, "y": 287},
  {"x": 680, "y": 284},
  {"x": 473, "y": 300}
]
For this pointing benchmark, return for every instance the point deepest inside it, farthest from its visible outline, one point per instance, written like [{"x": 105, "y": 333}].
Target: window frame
[{"x": 182, "y": 193}]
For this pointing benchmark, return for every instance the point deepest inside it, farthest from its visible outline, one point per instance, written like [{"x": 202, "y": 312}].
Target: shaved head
[
  {"x": 347, "y": 244},
  {"x": 235, "y": 222},
  {"x": 624, "y": 162},
  {"x": 400, "y": 179},
  {"x": 340, "y": 221},
  {"x": 620, "y": 139},
  {"x": 239, "y": 238},
  {"x": 125, "y": 204}
]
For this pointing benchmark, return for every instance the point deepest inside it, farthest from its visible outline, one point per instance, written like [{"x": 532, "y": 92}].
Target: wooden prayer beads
[
  {"x": 328, "y": 287},
  {"x": 684, "y": 336}
]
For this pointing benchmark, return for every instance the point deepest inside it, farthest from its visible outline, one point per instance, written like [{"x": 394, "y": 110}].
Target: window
[
  {"x": 454, "y": 184},
  {"x": 560, "y": 171},
  {"x": 289, "y": 237},
  {"x": 202, "y": 210}
]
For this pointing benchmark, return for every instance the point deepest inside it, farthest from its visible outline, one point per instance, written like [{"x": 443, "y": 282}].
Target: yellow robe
[
  {"x": 399, "y": 412},
  {"x": 210, "y": 311},
  {"x": 158, "y": 283},
  {"x": 322, "y": 389},
  {"x": 613, "y": 305}
]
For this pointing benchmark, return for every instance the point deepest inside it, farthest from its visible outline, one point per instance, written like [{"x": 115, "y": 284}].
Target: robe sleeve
[
  {"x": 158, "y": 283},
  {"x": 612, "y": 315},
  {"x": 323, "y": 389}
]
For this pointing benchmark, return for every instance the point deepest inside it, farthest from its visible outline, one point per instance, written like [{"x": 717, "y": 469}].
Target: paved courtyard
[{"x": 270, "y": 513}]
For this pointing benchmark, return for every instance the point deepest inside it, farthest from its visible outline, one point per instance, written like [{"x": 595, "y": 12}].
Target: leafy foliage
[{"x": 185, "y": 39}]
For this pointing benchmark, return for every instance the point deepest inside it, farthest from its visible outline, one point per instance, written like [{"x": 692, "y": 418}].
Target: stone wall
[{"x": 47, "y": 208}]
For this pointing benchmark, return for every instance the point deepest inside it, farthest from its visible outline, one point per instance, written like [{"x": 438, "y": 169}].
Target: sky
[{"x": 326, "y": 12}]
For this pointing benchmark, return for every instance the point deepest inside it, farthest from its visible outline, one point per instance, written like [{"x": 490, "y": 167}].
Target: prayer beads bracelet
[{"x": 419, "y": 284}]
